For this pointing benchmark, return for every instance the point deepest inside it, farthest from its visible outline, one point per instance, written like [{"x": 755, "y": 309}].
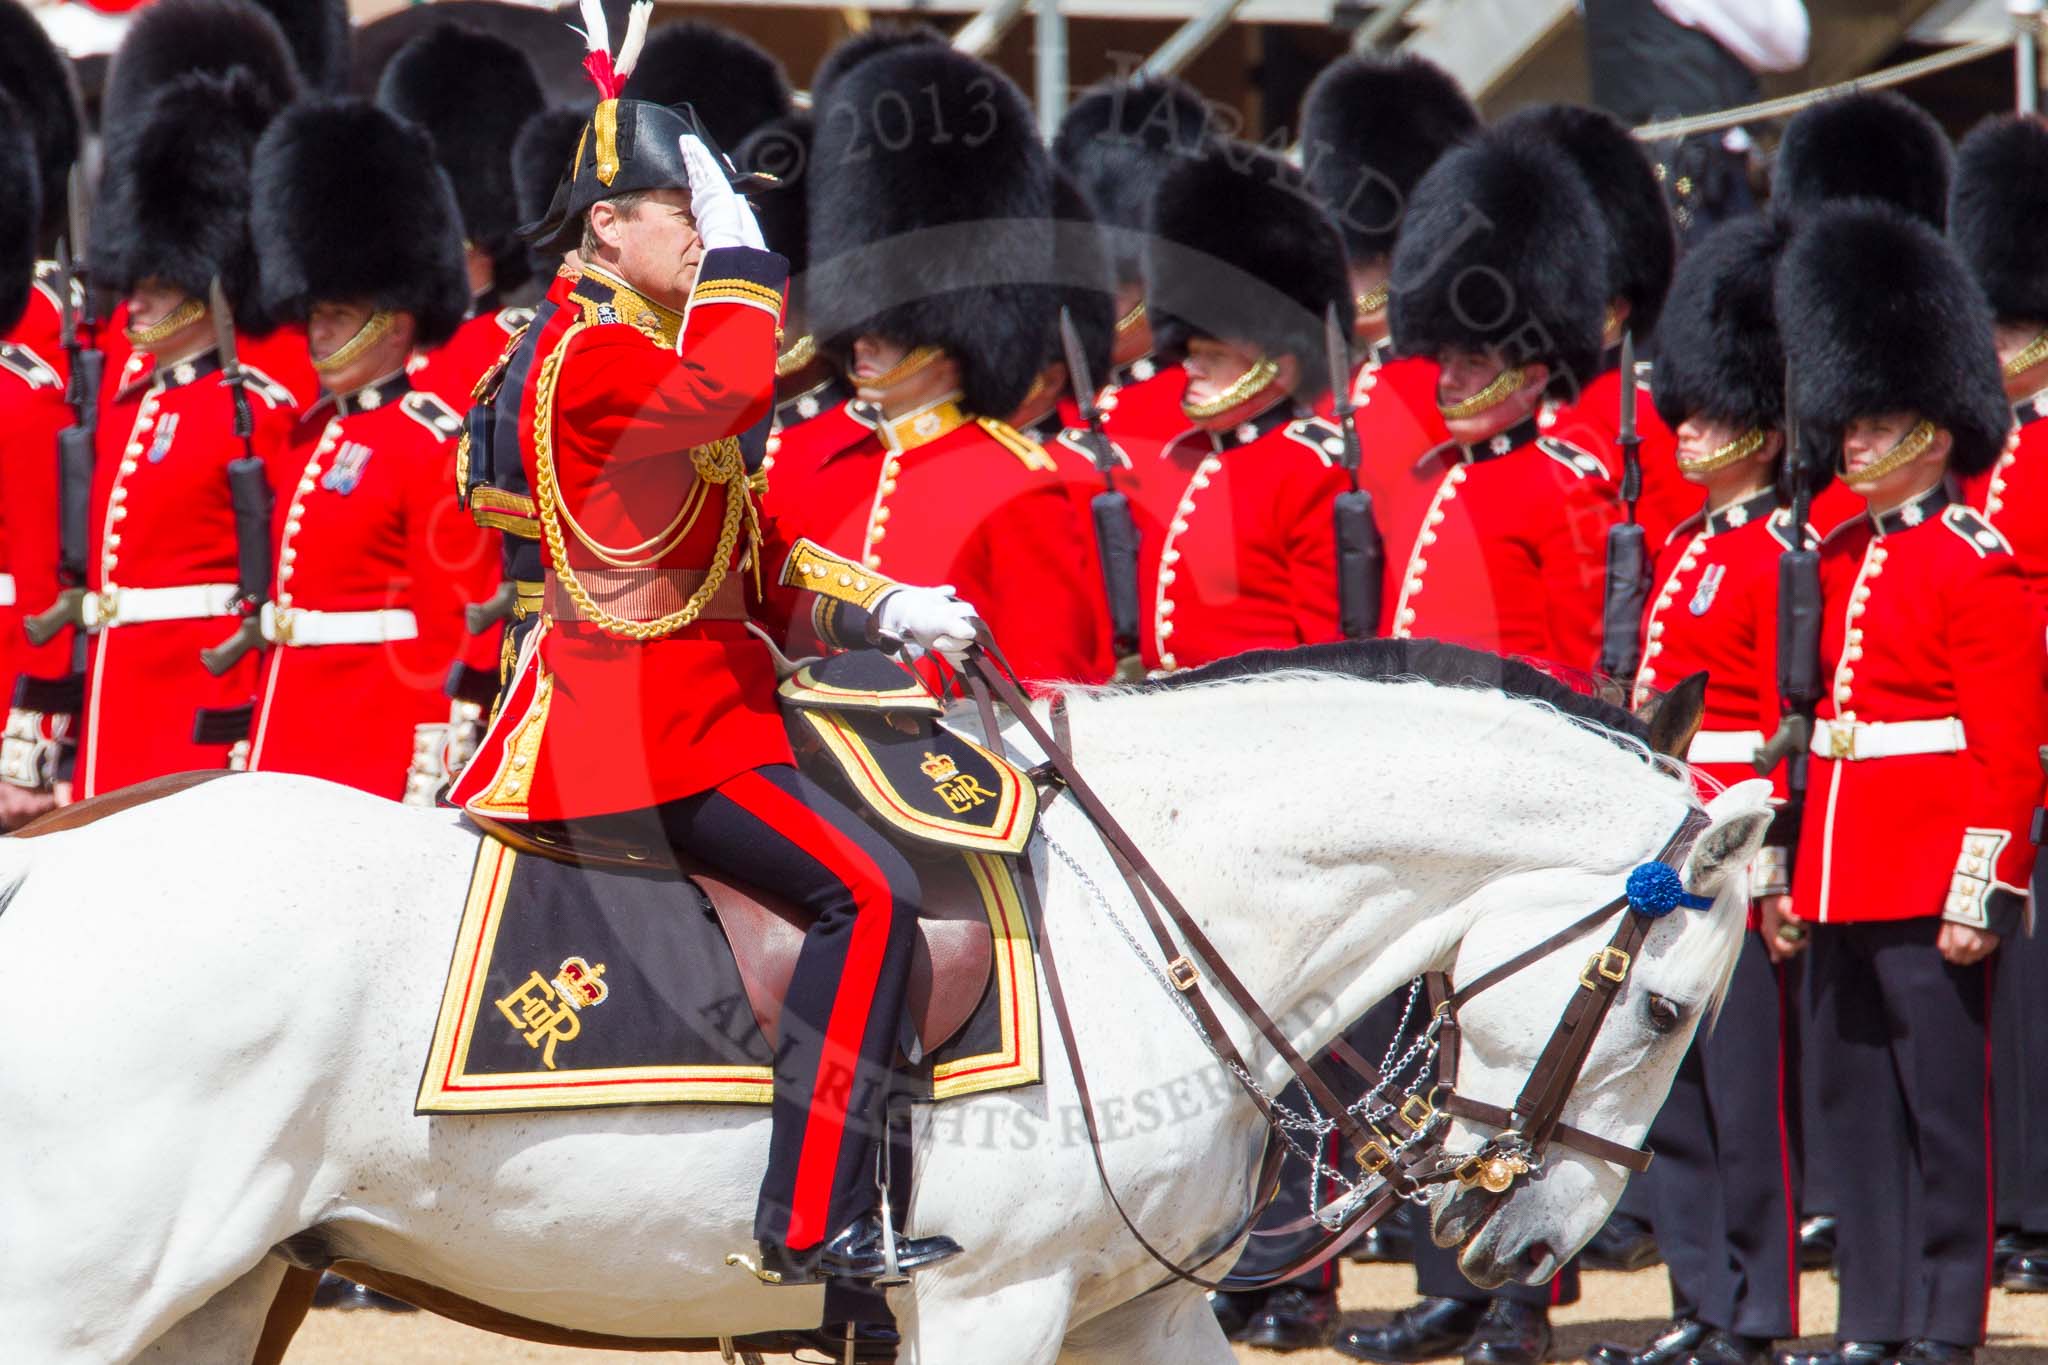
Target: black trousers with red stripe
[
  {"x": 2019, "y": 1089},
  {"x": 1898, "y": 1052},
  {"x": 776, "y": 829}
]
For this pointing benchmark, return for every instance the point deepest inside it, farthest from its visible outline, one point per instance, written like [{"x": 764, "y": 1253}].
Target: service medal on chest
[
  {"x": 165, "y": 431},
  {"x": 346, "y": 471},
  {"x": 1710, "y": 583}
]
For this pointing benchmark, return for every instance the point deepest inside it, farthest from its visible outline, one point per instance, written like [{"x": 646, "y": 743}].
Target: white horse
[{"x": 222, "y": 1002}]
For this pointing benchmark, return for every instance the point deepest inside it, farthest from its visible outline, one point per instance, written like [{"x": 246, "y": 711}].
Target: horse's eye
[{"x": 1664, "y": 1016}]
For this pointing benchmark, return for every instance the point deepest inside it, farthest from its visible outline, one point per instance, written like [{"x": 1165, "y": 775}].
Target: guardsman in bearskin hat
[
  {"x": 472, "y": 92},
  {"x": 928, "y": 262},
  {"x": 1496, "y": 539},
  {"x": 734, "y": 84},
  {"x": 1118, "y": 141},
  {"x": 1237, "y": 545},
  {"x": 1720, "y": 1190},
  {"x": 1923, "y": 770},
  {"x": 161, "y": 575},
  {"x": 375, "y": 558},
  {"x": 1370, "y": 128},
  {"x": 39, "y": 141},
  {"x": 639, "y": 408},
  {"x": 1994, "y": 218}
]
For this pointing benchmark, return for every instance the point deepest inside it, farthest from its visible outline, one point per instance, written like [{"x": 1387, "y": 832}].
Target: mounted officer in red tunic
[{"x": 640, "y": 408}]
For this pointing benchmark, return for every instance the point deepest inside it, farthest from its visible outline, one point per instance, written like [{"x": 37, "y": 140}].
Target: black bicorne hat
[
  {"x": 1118, "y": 142},
  {"x": 1880, "y": 315},
  {"x": 37, "y": 77},
  {"x": 1869, "y": 144},
  {"x": 1718, "y": 353},
  {"x": 1371, "y": 126},
  {"x": 1998, "y": 211}
]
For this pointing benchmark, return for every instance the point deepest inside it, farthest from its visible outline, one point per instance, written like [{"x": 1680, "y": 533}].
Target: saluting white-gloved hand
[
  {"x": 929, "y": 618},
  {"x": 724, "y": 218}
]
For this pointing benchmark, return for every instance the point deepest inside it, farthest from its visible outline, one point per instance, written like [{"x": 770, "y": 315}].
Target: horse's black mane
[{"x": 1430, "y": 660}]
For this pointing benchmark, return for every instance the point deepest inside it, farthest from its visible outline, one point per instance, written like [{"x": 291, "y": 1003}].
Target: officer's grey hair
[{"x": 623, "y": 204}]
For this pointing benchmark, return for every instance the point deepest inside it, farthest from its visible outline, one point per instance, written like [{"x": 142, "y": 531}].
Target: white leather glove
[
  {"x": 724, "y": 218},
  {"x": 930, "y": 618}
]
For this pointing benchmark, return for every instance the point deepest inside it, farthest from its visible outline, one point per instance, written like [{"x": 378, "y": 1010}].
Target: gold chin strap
[
  {"x": 903, "y": 369},
  {"x": 1132, "y": 318},
  {"x": 2036, "y": 351},
  {"x": 1505, "y": 385},
  {"x": 1741, "y": 448},
  {"x": 1910, "y": 447},
  {"x": 373, "y": 330},
  {"x": 1373, "y": 302},
  {"x": 1237, "y": 393},
  {"x": 797, "y": 356},
  {"x": 168, "y": 326}
]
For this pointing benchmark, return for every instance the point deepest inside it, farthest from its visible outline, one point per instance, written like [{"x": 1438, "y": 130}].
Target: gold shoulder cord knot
[{"x": 719, "y": 463}]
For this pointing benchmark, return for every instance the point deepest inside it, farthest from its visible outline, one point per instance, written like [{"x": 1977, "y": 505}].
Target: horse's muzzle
[{"x": 1460, "y": 1213}]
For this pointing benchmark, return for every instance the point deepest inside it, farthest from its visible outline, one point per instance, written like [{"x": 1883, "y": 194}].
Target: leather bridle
[{"x": 1406, "y": 1155}]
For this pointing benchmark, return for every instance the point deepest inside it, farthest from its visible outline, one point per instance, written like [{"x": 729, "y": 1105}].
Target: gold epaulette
[
  {"x": 1029, "y": 452},
  {"x": 815, "y": 569}
]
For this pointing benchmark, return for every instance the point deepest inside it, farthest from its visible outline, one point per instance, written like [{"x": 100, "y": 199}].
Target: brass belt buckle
[
  {"x": 1611, "y": 962},
  {"x": 283, "y": 625},
  {"x": 1842, "y": 740}
]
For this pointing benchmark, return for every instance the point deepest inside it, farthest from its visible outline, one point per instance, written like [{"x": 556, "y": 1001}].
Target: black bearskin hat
[
  {"x": 540, "y": 157},
  {"x": 1880, "y": 315},
  {"x": 472, "y": 92},
  {"x": 1085, "y": 287},
  {"x": 1642, "y": 247},
  {"x": 21, "y": 210},
  {"x": 1118, "y": 142},
  {"x": 174, "y": 198},
  {"x": 918, "y": 236},
  {"x": 781, "y": 147},
  {"x": 173, "y": 38},
  {"x": 1870, "y": 144},
  {"x": 1242, "y": 251},
  {"x": 350, "y": 203},
  {"x": 1503, "y": 247},
  {"x": 1370, "y": 128},
  {"x": 851, "y": 52},
  {"x": 317, "y": 32},
  {"x": 1718, "y": 352},
  {"x": 1996, "y": 214},
  {"x": 37, "y": 77},
  {"x": 734, "y": 86}
]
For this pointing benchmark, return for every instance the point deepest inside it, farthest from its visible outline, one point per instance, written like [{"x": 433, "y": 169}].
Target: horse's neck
[{"x": 1330, "y": 834}]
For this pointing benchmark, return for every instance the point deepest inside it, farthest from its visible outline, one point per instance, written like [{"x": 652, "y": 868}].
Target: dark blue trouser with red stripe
[{"x": 774, "y": 828}]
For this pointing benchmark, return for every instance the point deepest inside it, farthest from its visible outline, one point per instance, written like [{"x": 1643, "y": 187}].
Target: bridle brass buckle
[
  {"x": 1416, "y": 1112},
  {"x": 1610, "y": 962},
  {"x": 1182, "y": 974},
  {"x": 1374, "y": 1158}
]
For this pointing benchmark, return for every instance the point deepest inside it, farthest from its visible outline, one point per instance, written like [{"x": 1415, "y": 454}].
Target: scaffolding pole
[
  {"x": 979, "y": 35},
  {"x": 1052, "y": 68},
  {"x": 2026, "y": 54},
  {"x": 1187, "y": 41},
  {"x": 1374, "y": 32}
]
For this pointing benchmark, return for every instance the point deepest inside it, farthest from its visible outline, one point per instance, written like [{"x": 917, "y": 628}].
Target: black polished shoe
[
  {"x": 1234, "y": 1309},
  {"x": 2026, "y": 1273},
  {"x": 1924, "y": 1352},
  {"x": 1730, "y": 1348},
  {"x": 2010, "y": 1243},
  {"x": 348, "y": 1296},
  {"x": 1671, "y": 1345},
  {"x": 1294, "y": 1320},
  {"x": 1510, "y": 1334},
  {"x": 1421, "y": 1331},
  {"x": 1391, "y": 1240},
  {"x": 1817, "y": 1242},
  {"x": 1842, "y": 1353},
  {"x": 855, "y": 1253},
  {"x": 1624, "y": 1243}
]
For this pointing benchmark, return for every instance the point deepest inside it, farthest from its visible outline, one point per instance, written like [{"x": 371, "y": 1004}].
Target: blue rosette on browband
[{"x": 1656, "y": 889}]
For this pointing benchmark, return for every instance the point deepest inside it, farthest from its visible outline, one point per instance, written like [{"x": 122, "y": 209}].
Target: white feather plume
[
  {"x": 636, "y": 37},
  {"x": 597, "y": 35}
]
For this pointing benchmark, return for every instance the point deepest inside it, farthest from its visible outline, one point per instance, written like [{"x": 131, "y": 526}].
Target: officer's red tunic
[
  {"x": 368, "y": 522},
  {"x": 1926, "y": 619},
  {"x": 33, "y": 371},
  {"x": 1500, "y": 546},
  {"x": 161, "y": 518}
]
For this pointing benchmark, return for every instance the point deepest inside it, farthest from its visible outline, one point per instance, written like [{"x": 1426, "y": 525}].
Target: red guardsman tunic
[
  {"x": 616, "y": 422},
  {"x": 161, "y": 565},
  {"x": 1236, "y": 538},
  {"x": 1397, "y": 416},
  {"x": 2013, "y": 496},
  {"x": 376, "y": 560},
  {"x": 1926, "y": 624},
  {"x": 941, "y": 497},
  {"x": 1141, "y": 404},
  {"x": 33, "y": 372},
  {"x": 1500, "y": 546},
  {"x": 1593, "y": 423},
  {"x": 450, "y": 371}
]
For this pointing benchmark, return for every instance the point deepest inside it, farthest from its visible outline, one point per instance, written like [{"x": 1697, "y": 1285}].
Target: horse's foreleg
[
  {"x": 288, "y": 1309},
  {"x": 1018, "y": 1324},
  {"x": 1170, "y": 1327},
  {"x": 226, "y": 1328}
]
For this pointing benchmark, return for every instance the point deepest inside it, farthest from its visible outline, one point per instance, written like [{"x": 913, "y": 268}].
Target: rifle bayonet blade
[
  {"x": 224, "y": 331},
  {"x": 1337, "y": 350},
  {"x": 1078, "y": 378},
  {"x": 75, "y": 207},
  {"x": 1628, "y": 387}
]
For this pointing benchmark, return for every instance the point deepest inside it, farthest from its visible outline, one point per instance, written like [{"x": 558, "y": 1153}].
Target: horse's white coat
[{"x": 221, "y": 1004}]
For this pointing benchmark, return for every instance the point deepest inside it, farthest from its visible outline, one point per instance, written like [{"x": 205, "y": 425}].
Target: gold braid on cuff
[
  {"x": 1741, "y": 448},
  {"x": 2036, "y": 351},
  {"x": 1910, "y": 447},
  {"x": 1505, "y": 385},
  {"x": 349, "y": 352},
  {"x": 166, "y": 327},
  {"x": 1237, "y": 393}
]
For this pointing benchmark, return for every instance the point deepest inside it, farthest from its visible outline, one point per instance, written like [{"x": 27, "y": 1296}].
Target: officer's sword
[
  {"x": 1628, "y": 560},
  {"x": 250, "y": 494},
  {"x": 1116, "y": 531},
  {"x": 1361, "y": 554}
]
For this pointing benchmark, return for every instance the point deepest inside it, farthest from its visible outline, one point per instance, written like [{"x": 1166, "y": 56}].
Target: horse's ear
[
  {"x": 1674, "y": 717},
  {"x": 1742, "y": 818}
]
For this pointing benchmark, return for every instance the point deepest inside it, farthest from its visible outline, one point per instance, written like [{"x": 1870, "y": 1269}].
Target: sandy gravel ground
[{"x": 1615, "y": 1306}]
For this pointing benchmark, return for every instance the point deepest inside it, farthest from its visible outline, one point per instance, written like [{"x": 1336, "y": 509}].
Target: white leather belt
[
  {"x": 1724, "y": 746},
  {"x": 295, "y": 627},
  {"x": 6, "y": 589},
  {"x": 1856, "y": 740},
  {"x": 133, "y": 606}
]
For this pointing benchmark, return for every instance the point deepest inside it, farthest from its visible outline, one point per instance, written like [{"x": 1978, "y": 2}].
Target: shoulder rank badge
[{"x": 1710, "y": 584}]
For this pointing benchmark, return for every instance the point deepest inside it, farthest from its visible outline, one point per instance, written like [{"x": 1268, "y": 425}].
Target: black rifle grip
[
  {"x": 1799, "y": 682},
  {"x": 1361, "y": 565},
  {"x": 74, "y": 501},
  {"x": 255, "y": 507},
  {"x": 1628, "y": 589},
  {"x": 1116, "y": 538}
]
